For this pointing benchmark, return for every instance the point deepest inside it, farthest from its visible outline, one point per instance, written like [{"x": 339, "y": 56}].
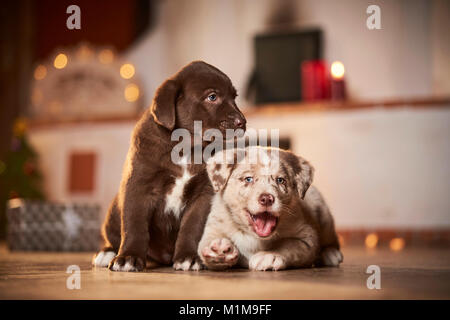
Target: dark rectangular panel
[{"x": 278, "y": 57}]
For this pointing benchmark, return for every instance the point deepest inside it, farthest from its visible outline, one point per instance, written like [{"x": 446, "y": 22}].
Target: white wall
[
  {"x": 408, "y": 57},
  {"x": 109, "y": 141},
  {"x": 376, "y": 168}
]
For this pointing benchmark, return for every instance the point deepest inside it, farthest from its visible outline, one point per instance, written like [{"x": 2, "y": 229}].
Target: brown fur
[{"x": 137, "y": 226}]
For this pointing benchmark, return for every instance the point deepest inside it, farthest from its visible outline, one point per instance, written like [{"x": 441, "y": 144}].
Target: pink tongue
[{"x": 264, "y": 224}]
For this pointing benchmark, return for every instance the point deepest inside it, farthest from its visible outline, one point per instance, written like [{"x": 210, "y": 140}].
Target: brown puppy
[
  {"x": 160, "y": 201},
  {"x": 265, "y": 215}
]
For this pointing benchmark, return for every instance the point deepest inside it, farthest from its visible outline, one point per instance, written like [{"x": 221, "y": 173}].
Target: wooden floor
[{"x": 409, "y": 274}]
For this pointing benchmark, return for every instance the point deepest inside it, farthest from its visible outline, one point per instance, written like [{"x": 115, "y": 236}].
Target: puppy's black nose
[
  {"x": 266, "y": 199},
  {"x": 239, "y": 123}
]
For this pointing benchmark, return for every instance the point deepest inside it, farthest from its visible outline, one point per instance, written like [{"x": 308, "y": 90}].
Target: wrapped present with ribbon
[{"x": 35, "y": 225}]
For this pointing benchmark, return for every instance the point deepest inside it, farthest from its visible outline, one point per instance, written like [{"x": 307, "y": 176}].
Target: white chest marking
[
  {"x": 246, "y": 244},
  {"x": 174, "y": 199}
]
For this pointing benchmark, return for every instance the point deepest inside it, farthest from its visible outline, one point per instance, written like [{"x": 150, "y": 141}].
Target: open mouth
[{"x": 263, "y": 223}]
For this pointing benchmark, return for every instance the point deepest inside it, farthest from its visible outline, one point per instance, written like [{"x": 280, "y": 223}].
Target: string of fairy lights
[
  {"x": 127, "y": 70},
  {"x": 373, "y": 240},
  {"x": 395, "y": 244}
]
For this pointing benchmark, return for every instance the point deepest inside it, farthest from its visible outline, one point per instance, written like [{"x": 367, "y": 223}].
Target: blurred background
[{"x": 363, "y": 94}]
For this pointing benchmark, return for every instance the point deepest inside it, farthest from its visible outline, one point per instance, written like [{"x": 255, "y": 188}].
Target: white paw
[
  {"x": 127, "y": 264},
  {"x": 220, "y": 254},
  {"x": 187, "y": 264},
  {"x": 127, "y": 267},
  {"x": 103, "y": 258},
  {"x": 331, "y": 257},
  {"x": 263, "y": 261}
]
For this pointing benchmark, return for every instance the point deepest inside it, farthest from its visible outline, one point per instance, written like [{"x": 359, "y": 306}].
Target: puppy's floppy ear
[
  {"x": 303, "y": 172},
  {"x": 305, "y": 177},
  {"x": 219, "y": 168},
  {"x": 163, "y": 106}
]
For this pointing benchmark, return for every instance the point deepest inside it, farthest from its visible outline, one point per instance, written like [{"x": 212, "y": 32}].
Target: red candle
[{"x": 315, "y": 83}]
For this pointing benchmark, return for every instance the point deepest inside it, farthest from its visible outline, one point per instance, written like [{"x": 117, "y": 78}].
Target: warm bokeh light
[
  {"x": 106, "y": 56},
  {"x": 40, "y": 72},
  {"x": 397, "y": 244},
  {"x": 127, "y": 71},
  {"x": 84, "y": 52},
  {"x": 60, "y": 61},
  {"x": 131, "y": 92},
  {"x": 20, "y": 127},
  {"x": 337, "y": 70},
  {"x": 371, "y": 240}
]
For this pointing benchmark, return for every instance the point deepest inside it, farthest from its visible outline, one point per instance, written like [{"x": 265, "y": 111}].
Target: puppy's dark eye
[
  {"x": 248, "y": 179},
  {"x": 212, "y": 97},
  {"x": 281, "y": 180}
]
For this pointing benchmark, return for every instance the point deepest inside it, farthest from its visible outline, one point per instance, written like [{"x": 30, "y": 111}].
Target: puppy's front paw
[
  {"x": 103, "y": 258},
  {"x": 263, "y": 261},
  {"x": 331, "y": 257},
  {"x": 220, "y": 254},
  {"x": 126, "y": 264},
  {"x": 186, "y": 264}
]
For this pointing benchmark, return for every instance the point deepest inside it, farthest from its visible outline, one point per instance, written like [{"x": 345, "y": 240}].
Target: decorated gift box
[{"x": 35, "y": 225}]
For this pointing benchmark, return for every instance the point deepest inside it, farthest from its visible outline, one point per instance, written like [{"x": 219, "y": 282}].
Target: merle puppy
[
  {"x": 266, "y": 215},
  {"x": 160, "y": 210}
]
